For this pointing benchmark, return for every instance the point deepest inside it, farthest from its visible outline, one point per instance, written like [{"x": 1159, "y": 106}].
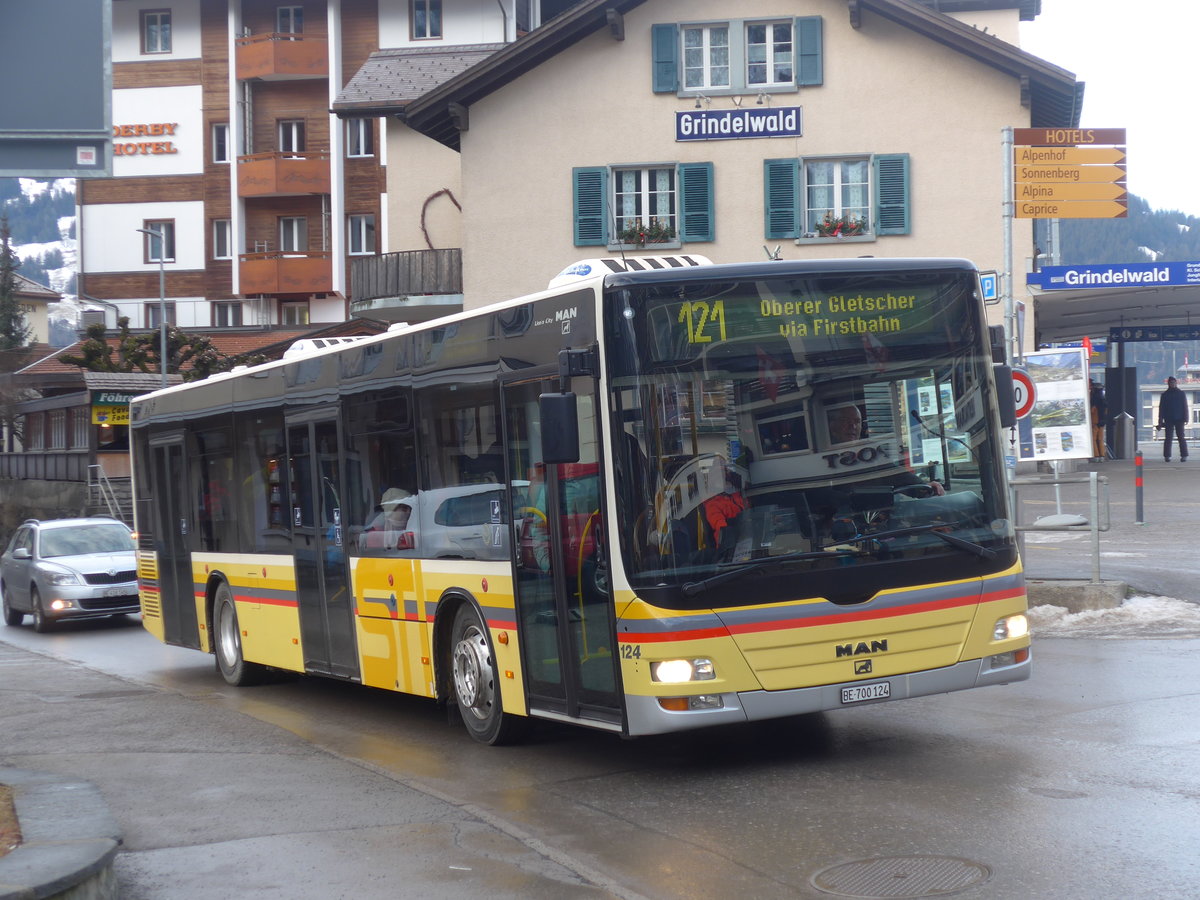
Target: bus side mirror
[
  {"x": 996, "y": 343},
  {"x": 560, "y": 428},
  {"x": 1005, "y": 398}
]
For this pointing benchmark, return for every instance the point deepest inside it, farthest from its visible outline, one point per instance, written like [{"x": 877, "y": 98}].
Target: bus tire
[
  {"x": 476, "y": 685},
  {"x": 227, "y": 642}
]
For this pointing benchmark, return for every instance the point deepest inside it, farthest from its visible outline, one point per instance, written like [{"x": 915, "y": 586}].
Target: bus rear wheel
[
  {"x": 476, "y": 686},
  {"x": 227, "y": 640}
]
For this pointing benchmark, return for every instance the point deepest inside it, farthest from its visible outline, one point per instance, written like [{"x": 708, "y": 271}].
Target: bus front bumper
[{"x": 647, "y": 716}]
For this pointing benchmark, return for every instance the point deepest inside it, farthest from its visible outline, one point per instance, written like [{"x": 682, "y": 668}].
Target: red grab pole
[{"x": 1137, "y": 484}]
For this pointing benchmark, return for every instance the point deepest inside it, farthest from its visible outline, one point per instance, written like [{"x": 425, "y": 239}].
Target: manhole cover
[{"x": 901, "y": 876}]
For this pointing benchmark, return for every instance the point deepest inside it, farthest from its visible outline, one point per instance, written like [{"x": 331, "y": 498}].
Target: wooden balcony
[
  {"x": 407, "y": 273},
  {"x": 278, "y": 174},
  {"x": 277, "y": 57},
  {"x": 285, "y": 273}
]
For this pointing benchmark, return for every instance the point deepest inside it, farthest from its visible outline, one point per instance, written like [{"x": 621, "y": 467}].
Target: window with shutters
[
  {"x": 837, "y": 198},
  {"x": 738, "y": 56},
  {"x": 662, "y": 205}
]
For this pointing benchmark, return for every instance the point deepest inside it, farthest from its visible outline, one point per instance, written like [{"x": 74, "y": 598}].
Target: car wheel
[
  {"x": 11, "y": 616},
  {"x": 41, "y": 621},
  {"x": 476, "y": 687},
  {"x": 227, "y": 640}
]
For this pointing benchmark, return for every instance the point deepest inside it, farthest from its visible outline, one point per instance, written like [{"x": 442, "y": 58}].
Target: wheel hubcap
[
  {"x": 227, "y": 637},
  {"x": 473, "y": 680}
]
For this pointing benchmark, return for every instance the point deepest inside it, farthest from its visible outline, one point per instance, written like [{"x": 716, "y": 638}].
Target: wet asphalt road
[{"x": 1083, "y": 782}]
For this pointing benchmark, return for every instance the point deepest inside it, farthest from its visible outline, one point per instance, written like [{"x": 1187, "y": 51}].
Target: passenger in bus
[
  {"x": 395, "y": 509},
  {"x": 846, "y": 425}
]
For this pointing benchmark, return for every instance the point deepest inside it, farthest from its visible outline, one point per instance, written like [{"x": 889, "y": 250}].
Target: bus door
[
  {"x": 563, "y": 599},
  {"x": 172, "y": 523},
  {"x": 318, "y": 539}
]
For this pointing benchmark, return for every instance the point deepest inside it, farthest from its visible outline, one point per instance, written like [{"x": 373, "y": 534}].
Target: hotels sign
[{"x": 1069, "y": 173}]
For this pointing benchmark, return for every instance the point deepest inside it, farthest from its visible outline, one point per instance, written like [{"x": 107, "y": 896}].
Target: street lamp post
[{"x": 162, "y": 301}]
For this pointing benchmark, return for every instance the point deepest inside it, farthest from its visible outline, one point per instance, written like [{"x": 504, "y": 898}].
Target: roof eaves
[{"x": 1050, "y": 84}]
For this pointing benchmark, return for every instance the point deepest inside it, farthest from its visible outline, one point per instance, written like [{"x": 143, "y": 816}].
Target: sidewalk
[
  {"x": 212, "y": 804},
  {"x": 1160, "y": 556}
]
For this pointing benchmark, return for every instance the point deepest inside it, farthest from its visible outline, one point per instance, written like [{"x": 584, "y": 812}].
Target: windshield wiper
[
  {"x": 970, "y": 546},
  {"x": 953, "y": 540},
  {"x": 692, "y": 588}
]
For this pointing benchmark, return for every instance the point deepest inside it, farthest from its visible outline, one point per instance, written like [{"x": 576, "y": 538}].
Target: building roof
[
  {"x": 1053, "y": 95},
  {"x": 27, "y": 289},
  {"x": 49, "y": 368},
  {"x": 395, "y": 77}
]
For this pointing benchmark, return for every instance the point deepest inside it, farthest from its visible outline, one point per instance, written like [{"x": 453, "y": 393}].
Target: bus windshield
[{"x": 811, "y": 425}]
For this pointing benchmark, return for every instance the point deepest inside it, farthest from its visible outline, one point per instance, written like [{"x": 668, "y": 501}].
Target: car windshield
[
  {"x": 76, "y": 540},
  {"x": 804, "y": 425}
]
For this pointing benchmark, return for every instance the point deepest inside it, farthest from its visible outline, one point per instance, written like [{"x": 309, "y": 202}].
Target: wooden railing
[
  {"x": 282, "y": 56},
  {"x": 46, "y": 465},
  {"x": 407, "y": 273},
  {"x": 285, "y": 272},
  {"x": 282, "y": 173}
]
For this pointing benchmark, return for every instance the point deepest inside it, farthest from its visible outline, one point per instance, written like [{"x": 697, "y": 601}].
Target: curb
[
  {"x": 69, "y": 840},
  {"x": 1076, "y": 595}
]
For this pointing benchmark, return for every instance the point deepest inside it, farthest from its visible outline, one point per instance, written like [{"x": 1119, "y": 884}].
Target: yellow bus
[{"x": 661, "y": 495}]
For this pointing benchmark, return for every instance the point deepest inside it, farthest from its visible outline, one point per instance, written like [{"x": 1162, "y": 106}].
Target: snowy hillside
[{"x": 45, "y": 241}]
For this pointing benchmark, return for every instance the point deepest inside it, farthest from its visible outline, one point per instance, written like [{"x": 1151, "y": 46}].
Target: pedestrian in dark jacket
[
  {"x": 1173, "y": 415},
  {"x": 1099, "y": 408}
]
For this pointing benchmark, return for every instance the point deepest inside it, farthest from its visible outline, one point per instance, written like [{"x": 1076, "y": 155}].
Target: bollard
[{"x": 1137, "y": 487}]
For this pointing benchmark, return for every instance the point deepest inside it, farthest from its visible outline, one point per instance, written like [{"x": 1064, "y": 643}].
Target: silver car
[{"x": 69, "y": 569}]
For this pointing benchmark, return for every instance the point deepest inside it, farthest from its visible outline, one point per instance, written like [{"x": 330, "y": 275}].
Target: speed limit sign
[{"x": 1024, "y": 392}]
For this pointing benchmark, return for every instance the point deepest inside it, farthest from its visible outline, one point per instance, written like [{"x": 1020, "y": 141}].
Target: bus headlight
[
  {"x": 679, "y": 671},
  {"x": 1011, "y": 627}
]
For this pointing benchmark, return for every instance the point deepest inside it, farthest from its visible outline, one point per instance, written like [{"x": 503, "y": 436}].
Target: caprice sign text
[{"x": 729, "y": 124}]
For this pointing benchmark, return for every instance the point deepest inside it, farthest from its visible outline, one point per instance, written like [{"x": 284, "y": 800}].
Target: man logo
[
  {"x": 861, "y": 648},
  {"x": 862, "y": 667}
]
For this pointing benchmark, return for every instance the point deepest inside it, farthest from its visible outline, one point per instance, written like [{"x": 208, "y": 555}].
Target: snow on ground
[{"x": 1137, "y": 617}]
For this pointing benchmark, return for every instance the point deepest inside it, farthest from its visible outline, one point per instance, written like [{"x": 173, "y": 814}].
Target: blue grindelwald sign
[
  {"x": 730, "y": 124},
  {"x": 1073, "y": 278}
]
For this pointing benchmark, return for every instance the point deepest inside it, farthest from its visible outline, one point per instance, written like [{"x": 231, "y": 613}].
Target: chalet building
[
  {"x": 233, "y": 182},
  {"x": 809, "y": 128},
  {"x": 35, "y": 300}
]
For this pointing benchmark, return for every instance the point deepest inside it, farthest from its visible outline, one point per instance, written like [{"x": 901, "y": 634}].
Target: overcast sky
[{"x": 1141, "y": 64}]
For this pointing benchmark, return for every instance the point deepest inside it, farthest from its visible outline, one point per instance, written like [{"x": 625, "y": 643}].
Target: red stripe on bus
[
  {"x": 265, "y": 601},
  {"x": 813, "y": 621}
]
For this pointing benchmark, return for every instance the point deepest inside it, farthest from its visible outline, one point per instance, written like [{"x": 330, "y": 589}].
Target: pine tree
[{"x": 15, "y": 334}]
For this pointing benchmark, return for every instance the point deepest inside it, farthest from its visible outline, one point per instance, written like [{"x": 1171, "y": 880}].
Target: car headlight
[
  {"x": 1011, "y": 627},
  {"x": 679, "y": 671},
  {"x": 60, "y": 576}
]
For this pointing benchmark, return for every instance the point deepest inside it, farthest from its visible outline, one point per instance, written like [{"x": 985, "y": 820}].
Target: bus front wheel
[
  {"x": 227, "y": 639},
  {"x": 476, "y": 685}
]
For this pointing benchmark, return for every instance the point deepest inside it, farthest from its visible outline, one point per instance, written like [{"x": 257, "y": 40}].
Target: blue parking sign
[{"x": 989, "y": 284}]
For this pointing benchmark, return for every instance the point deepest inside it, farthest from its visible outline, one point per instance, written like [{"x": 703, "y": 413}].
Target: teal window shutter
[
  {"x": 810, "y": 65},
  {"x": 696, "y": 202},
  {"x": 781, "y": 178},
  {"x": 893, "y": 214},
  {"x": 664, "y": 43},
  {"x": 591, "y": 206}
]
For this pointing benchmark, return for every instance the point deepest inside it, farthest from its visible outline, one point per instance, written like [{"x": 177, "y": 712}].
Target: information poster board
[{"x": 1058, "y": 426}]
